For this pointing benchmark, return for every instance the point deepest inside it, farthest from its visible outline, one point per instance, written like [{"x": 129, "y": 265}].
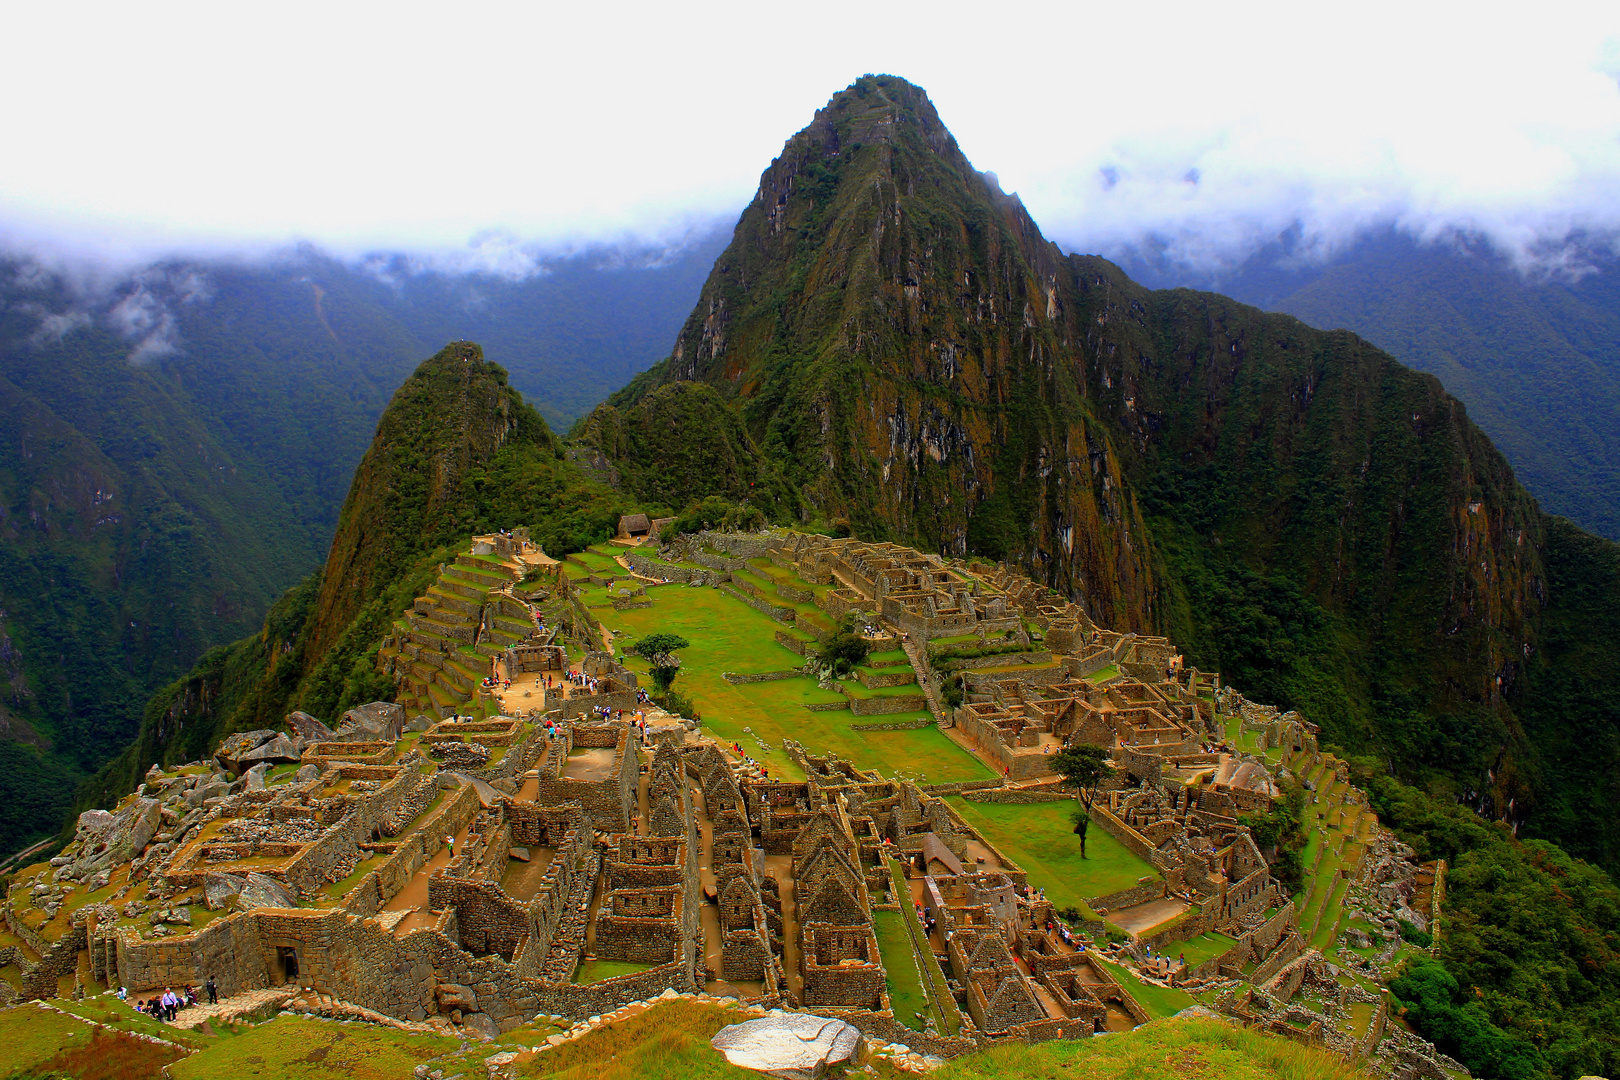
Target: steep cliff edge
[{"x": 1296, "y": 508}]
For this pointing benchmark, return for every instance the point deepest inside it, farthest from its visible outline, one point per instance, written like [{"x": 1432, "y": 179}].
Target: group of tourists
[
  {"x": 166, "y": 1005},
  {"x": 1063, "y": 931},
  {"x": 737, "y": 749},
  {"x": 588, "y": 683}
]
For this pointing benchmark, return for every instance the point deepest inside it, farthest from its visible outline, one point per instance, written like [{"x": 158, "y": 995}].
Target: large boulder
[
  {"x": 249, "y": 891},
  {"x": 456, "y": 996},
  {"x": 94, "y": 823},
  {"x": 254, "y": 777},
  {"x": 308, "y": 728},
  {"x": 420, "y": 722},
  {"x": 200, "y": 794},
  {"x": 138, "y": 823},
  {"x": 794, "y": 1046},
  {"x": 106, "y": 839},
  {"x": 381, "y": 721},
  {"x": 229, "y": 754},
  {"x": 278, "y": 751}
]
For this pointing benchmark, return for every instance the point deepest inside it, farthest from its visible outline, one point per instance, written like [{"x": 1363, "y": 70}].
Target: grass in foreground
[
  {"x": 1172, "y": 1050},
  {"x": 670, "y": 1041},
  {"x": 291, "y": 1048},
  {"x": 32, "y": 1035},
  {"x": 1040, "y": 838}
]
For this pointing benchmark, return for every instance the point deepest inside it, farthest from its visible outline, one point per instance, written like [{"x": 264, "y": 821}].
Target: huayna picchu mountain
[{"x": 1300, "y": 511}]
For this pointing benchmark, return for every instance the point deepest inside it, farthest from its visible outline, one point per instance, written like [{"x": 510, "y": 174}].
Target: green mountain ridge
[
  {"x": 176, "y": 446},
  {"x": 457, "y": 452},
  {"x": 1534, "y": 353},
  {"x": 1292, "y": 506}
]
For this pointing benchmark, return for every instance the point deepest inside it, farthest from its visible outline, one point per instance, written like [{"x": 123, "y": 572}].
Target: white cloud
[
  {"x": 54, "y": 327},
  {"x": 485, "y": 138}
]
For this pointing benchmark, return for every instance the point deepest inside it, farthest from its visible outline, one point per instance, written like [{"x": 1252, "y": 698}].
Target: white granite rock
[{"x": 793, "y": 1046}]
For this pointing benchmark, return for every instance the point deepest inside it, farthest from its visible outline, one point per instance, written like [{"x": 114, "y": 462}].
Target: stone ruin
[{"x": 467, "y": 875}]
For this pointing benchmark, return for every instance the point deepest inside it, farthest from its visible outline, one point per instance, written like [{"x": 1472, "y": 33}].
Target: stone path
[{"x": 249, "y": 1005}]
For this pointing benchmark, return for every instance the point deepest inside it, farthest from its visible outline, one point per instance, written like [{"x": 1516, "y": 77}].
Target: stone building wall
[{"x": 610, "y": 802}]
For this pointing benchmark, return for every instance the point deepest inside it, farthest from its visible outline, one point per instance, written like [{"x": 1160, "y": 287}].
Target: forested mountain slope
[
  {"x": 175, "y": 447},
  {"x": 1535, "y": 355},
  {"x": 1300, "y": 511},
  {"x": 456, "y": 452}
]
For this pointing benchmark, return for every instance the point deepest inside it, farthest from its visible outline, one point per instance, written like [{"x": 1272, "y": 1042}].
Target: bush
[{"x": 845, "y": 650}]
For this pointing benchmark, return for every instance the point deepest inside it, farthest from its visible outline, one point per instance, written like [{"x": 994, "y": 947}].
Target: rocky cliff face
[
  {"x": 900, "y": 342},
  {"x": 1294, "y": 507}
]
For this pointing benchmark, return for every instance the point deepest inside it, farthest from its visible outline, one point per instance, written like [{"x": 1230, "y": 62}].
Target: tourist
[
  {"x": 213, "y": 991},
  {"x": 123, "y": 993}
]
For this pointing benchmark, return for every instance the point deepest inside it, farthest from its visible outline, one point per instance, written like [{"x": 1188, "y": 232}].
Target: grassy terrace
[
  {"x": 598, "y": 561},
  {"x": 1203, "y": 947},
  {"x": 590, "y": 971},
  {"x": 903, "y": 980},
  {"x": 1040, "y": 838},
  {"x": 728, "y": 635}
]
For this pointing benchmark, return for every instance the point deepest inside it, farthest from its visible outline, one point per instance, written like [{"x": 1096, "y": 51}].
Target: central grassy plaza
[
  {"x": 1040, "y": 838},
  {"x": 727, "y": 635}
]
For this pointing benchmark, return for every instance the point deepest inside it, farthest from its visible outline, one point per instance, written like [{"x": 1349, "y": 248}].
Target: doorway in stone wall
[{"x": 287, "y": 958}]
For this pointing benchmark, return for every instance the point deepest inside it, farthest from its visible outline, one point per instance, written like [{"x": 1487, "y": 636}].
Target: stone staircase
[{"x": 918, "y": 655}]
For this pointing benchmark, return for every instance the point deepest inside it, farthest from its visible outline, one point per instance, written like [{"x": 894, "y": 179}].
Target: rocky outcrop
[
  {"x": 232, "y": 751},
  {"x": 308, "y": 728},
  {"x": 381, "y": 721}
]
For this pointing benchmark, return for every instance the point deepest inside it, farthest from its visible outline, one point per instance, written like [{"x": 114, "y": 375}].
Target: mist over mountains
[{"x": 176, "y": 441}]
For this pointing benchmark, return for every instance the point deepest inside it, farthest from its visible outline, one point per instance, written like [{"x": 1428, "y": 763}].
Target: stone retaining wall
[
  {"x": 826, "y": 706},
  {"x": 962, "y": 787},
  {"x": 1140, "y": 893},
  {"x": 902, "y": 676},
  {"x": 1016, "y": 795},
  {"x": 947, "y": 662},
  {"x": 761, "y": 676},
  {"x": 883, "y": 706},
  {"x": 764, "y": 607},
  {"x": 792, "y": 643},
  {"x": 1135, "y": 841},
  {"x": 898, "y": 725}
]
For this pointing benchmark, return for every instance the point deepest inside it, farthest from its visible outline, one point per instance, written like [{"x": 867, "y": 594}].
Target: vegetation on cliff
[
  {"x": 457, "y": 452},
  {"x": 1293, "y": 507},
  {"x": 1527, "y": 981}
]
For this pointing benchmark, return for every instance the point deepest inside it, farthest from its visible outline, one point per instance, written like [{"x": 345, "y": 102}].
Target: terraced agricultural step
[
  {"x": 474, "y": 576},
  {"x": 450, "y": 601},
  {"x": 458, "y": 679}
]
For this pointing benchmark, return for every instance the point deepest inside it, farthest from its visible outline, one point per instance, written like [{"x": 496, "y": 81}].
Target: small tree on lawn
[
  {"x": 845, "y": 650},
  {"x": 659, "y": 651},
  {"x": 1086, "y": 767}
]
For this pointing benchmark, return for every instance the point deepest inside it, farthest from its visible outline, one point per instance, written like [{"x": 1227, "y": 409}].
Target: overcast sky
[{"x": 451, "y": 128}]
